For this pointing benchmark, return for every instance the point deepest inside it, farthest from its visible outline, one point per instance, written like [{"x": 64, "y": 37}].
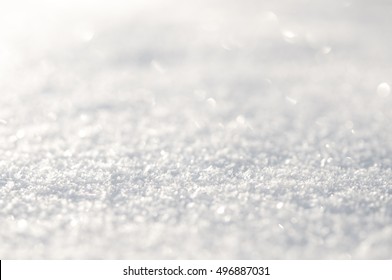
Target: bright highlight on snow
[{"x": 383, "y": 90}]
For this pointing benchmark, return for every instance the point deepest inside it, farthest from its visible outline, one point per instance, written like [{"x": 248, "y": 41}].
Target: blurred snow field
[{"x": 195, "y": 129}]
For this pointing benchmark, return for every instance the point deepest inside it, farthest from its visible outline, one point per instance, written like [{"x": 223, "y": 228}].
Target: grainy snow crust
[{"x": 216, "y": 129}]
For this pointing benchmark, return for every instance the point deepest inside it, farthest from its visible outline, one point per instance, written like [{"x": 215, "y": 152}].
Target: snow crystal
[
  {"x": 289, "y": 36},
  {"x": 211, "y": 103},
  {"x": 221, "y": 210},
  {"x": 291, "y": 100},
  {"x": 383, "y": 90}
]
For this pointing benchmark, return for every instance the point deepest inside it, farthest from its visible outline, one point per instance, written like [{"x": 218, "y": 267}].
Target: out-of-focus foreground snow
[{"x": 211, "y": 129}]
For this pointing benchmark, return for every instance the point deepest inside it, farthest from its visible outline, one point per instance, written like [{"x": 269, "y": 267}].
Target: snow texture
[{"x": 195, "y": 130}]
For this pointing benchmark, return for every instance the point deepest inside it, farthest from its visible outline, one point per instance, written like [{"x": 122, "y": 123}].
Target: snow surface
[{"x": 203, "y": 129}]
